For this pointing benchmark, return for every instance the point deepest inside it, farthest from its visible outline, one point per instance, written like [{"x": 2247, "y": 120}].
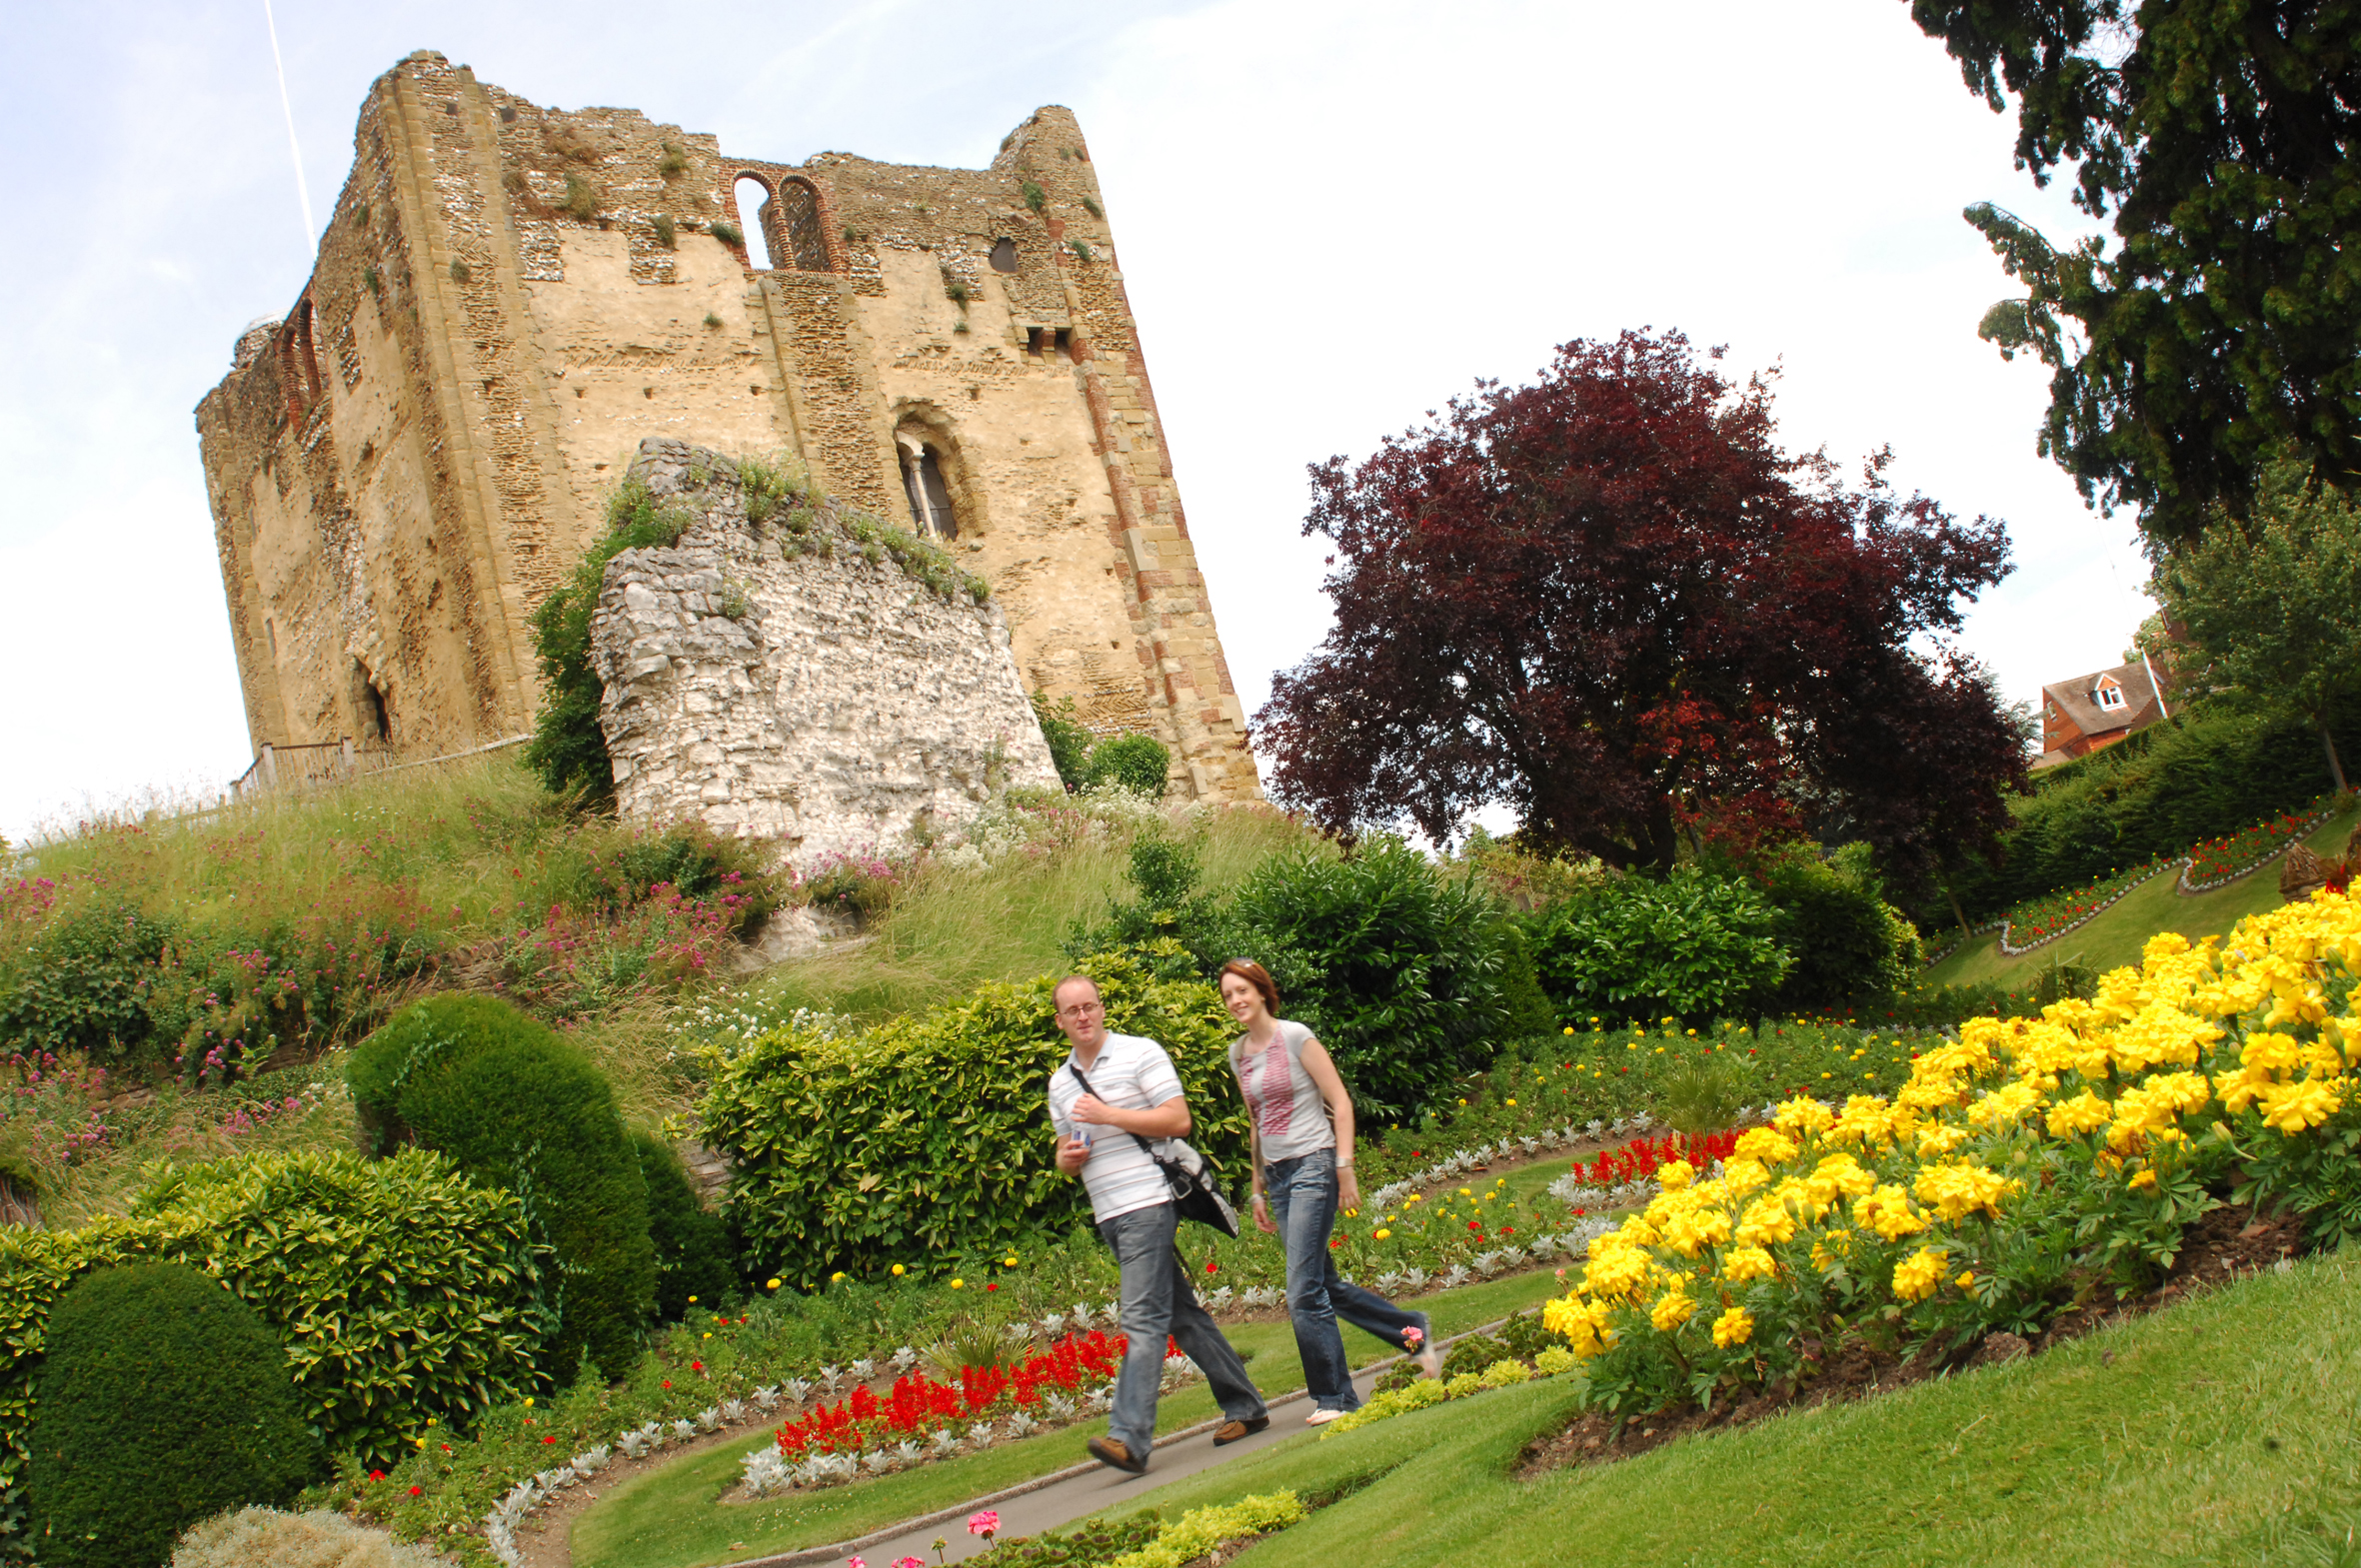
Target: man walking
[{"x": 1133, "y": 1095}]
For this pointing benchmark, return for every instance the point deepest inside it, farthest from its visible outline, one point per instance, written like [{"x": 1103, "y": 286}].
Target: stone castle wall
[
  {"x": 786, "y": 682},
  {"x": 509, "y": 298}
]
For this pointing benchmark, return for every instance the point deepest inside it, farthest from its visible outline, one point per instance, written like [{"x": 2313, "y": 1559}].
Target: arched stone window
[
  {"x": 802, "y": 241},
  {"x": 371, "y": 708},
  {"x": 930, "y": 510},
  {"x": 1004, "y": 255}
]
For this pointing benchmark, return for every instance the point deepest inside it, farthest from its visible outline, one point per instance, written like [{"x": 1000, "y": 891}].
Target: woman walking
[{"x": 1300, "y": 1124}]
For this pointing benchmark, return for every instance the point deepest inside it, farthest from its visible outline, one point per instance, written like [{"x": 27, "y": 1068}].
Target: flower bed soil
[{"x": 2226, "y": 1244}]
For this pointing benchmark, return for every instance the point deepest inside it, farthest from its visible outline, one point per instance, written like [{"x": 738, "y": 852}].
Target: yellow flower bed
[{"x": 2028, "y": 1158}]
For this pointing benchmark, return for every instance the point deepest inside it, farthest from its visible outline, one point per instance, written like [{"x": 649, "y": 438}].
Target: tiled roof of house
[{"x": 2080, "y": 701}]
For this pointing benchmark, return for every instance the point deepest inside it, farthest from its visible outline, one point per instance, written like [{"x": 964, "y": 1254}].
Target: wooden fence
[{"x": 325, "y": 763}]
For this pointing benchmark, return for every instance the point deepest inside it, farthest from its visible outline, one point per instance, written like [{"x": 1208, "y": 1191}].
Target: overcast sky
[{"x": 1331, "y": 217}]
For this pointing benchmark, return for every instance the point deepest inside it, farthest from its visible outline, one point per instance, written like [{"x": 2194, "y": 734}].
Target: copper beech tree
[{"x": 1610, "y": 600}]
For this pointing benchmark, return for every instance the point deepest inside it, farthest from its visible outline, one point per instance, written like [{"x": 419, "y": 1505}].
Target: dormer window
[{"x": 2108, "y": 694}]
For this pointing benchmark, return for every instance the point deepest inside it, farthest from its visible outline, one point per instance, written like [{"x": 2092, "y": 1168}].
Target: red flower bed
[
  {"x": 1642, "y": 1157},
  {"x": 919, "y": 1404},
  {"x": 2219, "y": 857}
]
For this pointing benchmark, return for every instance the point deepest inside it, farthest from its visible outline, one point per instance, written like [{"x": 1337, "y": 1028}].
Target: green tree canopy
[
  {"x": 2274, "y": 604},
  {"x": 2225, "y": 322}
]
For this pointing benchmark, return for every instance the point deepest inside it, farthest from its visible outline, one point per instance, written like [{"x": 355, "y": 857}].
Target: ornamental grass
[{"x": 2029, "y": 1164}]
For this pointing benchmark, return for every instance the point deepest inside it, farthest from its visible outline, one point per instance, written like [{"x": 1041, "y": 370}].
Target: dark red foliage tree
[{"x": 1610, "y": 600}]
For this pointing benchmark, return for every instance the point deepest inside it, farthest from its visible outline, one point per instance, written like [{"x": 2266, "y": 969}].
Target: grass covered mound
[
  {"x": 163, "y": 1400},
  {"x": 519, "y": 1108}
]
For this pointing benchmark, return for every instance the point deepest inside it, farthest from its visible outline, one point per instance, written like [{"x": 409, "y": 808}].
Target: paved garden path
[{"x": 1051, "y": 1501}]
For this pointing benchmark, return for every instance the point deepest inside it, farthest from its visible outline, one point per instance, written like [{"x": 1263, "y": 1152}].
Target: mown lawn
[
  {"x": 2219, "y": 1431},
  {"x": 2116, "y": 936},
  {"x": 672, "y": 1517}
]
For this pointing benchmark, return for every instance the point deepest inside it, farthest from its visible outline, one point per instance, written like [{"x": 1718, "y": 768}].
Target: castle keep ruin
[{"x": 509, "y": 299}]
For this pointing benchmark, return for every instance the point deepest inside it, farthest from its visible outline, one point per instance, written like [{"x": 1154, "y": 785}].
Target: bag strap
[
  {"x": 1159, "y": 1160},
  {"x": 1076, "y": 1068}
]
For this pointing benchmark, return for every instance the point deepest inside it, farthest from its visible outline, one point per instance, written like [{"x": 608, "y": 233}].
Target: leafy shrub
[
  {"x": 1692, "y": 945},
  {"x": 517, "y": 1107},
  {"x": 1165, "y": 873},
  {"x": 401, "y": 1290},
  {"x": 689, "y": 858},
  {"x": 927, "y": 1139},
  {"x": 1850, "y": 947},
  {"x": 163, "y": 1400},
  {"x": 1526, "y": 881},
  {"x": 82, "y": 984},
  {"x": 1526, "y": 1336},
  {"x": 694, "y": 1257},
  {"x": 1474, "y": 1354},
  {"x": 857, "y": 880},
  {"x": 568, "y": 750},
  {"x": 1090, "y": 1544},
  {"x": 726, "y": 232},
  {"x": 1404, "y": 975},
  {"x": 1139, "y": 763},
  {"x": 258, "y": 1538},
  {"x": 1069, "y": 742}
]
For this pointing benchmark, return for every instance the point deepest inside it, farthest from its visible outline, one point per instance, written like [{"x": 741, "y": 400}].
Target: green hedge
[
  {"x": 927, "y": 1138},
  {"x": 1691, "y": 945},
  {"x": 1410, "y": 978},
  {"x": 695, "y": 1259},
  {"x": 162, "y": 1400},
  {"x": 1852, "y": 950},
  {"x": 401, "y": 1291},
  {"x": 517, "y": 1107},
  {"x": 2206, "y": 771}
]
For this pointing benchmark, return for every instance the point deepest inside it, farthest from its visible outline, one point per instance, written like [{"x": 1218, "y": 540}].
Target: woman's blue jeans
[{"x": 1303, "y": 1196}]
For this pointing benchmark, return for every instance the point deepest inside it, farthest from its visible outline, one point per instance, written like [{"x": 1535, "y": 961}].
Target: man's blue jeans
[
  {"x": 1158, "y": 1300},
  {"x": 1303, "y": 1197}
]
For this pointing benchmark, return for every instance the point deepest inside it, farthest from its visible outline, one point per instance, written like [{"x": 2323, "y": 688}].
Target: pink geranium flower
[{"x": 985, "y": 1524}]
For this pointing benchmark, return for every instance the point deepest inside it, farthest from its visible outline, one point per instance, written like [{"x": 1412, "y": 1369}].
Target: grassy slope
[
  {"x": 2218, "y": 1432},
  {"x": 954, "y": 931},
  {"x": 2116, "y": 936},
  {"x": 669, "y": 1517}
]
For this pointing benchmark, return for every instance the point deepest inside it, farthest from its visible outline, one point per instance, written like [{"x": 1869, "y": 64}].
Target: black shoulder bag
[{"x": 1189, "y": 1174}]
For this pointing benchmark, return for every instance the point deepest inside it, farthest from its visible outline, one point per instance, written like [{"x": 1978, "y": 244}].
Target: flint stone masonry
[
  {"x": 799, "y": 687},
  {"x": 411, "y": 454}
]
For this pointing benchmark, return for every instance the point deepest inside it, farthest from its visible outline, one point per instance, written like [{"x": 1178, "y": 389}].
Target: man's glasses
[{"x": 1082, "y": 1010}]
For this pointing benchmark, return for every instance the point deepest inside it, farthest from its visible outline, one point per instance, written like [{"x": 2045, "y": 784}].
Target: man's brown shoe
[
  {"x": 1113, "y": 1451},
  {"x": 1230, "y": 1432}
]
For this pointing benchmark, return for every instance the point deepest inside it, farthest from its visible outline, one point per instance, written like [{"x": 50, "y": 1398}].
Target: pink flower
[
  {"x": 855, "y": 1562},
  {"x": 1414, "y": 1337},
  {"x": 983, "y": 1524},
  {"x": 907, "y": 1562}
]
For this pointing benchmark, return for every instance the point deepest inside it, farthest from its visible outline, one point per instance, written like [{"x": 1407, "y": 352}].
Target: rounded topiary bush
[
  {"x": 694, "y": 1258},
  {"x": 1137, "y": 762},
  {"x": 162, "y": 1399},
  {"x": 516, "y": 1106},
  {"x": 268, "y": 1538}
]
